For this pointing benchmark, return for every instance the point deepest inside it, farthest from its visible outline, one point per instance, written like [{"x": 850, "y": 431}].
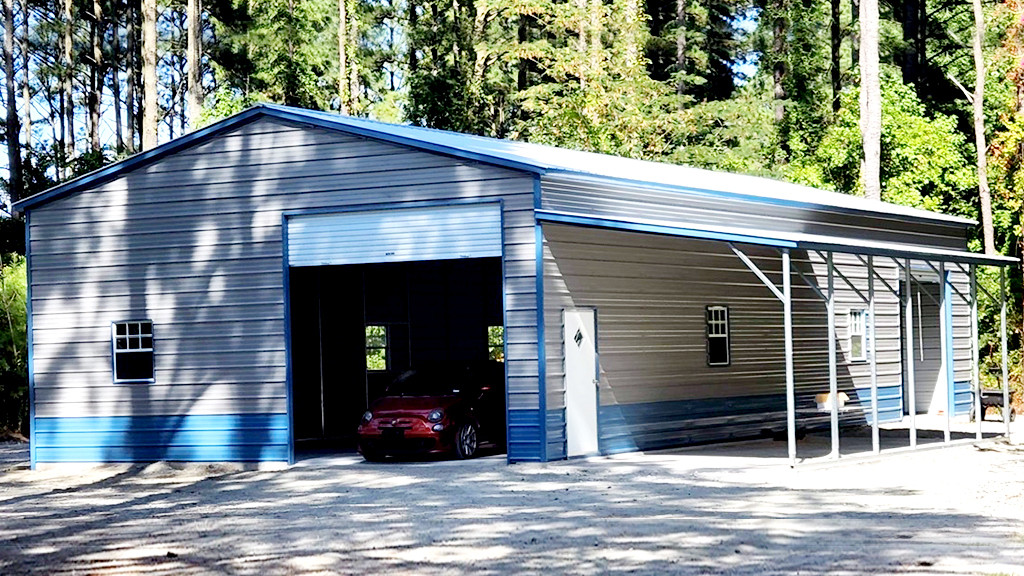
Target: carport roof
[
  {"x": 533, "y": 158},
  {"x": 778, "y": 239}
]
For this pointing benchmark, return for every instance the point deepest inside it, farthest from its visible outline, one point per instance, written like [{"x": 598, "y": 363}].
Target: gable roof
[{"x": 534, "y": 158}]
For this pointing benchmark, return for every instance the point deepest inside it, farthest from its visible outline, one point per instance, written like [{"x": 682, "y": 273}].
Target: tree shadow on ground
[{"x": 646, "y": 515}]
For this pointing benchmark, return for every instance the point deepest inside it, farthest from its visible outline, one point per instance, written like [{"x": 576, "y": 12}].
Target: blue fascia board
[
  {"x": 559, "y": 218},
  {"x": 289, "y": 387}
]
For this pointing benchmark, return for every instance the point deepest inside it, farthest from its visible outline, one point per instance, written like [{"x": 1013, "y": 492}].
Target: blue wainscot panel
[
  {"x": 193, "y": 438},
  {"x": 962, "y": 398},
  {"x": 524, "y": 436},
  {"x": 890, "y": 403}
]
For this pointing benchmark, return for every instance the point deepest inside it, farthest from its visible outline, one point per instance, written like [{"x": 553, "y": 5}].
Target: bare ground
[{"x": 958, "y": 510}]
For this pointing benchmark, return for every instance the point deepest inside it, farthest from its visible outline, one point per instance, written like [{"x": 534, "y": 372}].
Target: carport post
[
  {"x": 874, "y": 362},
  {"x": 975, "y": 370},
  {"x": 944, "y": 329},
  {"x": 1002, "y": 338},
  {"x": 908, "y": 326},
  {"x": 787, "y": 311},
  {"x": 833, "y": 386}
]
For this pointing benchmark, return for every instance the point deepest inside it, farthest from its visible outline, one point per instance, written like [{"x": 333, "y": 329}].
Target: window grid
[
  {"x": 717, "y": 319},
  {"x": 378, "y": 358},
  {"x": 132, "y": 342},
  {"x": 858, "y": 339}
]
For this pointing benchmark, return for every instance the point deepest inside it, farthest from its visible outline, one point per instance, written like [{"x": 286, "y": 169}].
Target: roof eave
[{"x": 112, "y": 171}]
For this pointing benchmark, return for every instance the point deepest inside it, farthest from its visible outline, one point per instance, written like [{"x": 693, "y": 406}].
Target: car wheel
[{"x": 466, "y": 440}]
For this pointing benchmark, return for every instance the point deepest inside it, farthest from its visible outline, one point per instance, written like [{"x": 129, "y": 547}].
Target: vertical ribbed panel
[{"x": 405, "y": 235}]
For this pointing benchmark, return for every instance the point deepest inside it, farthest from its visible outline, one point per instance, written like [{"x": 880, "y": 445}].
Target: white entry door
[{"x": 581, "y": 380}]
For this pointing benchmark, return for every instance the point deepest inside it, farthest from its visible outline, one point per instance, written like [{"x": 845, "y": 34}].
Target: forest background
[{"x": 764, "y": 87}]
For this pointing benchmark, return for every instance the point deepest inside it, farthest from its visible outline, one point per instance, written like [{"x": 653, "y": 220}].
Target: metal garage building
[{"x": 208, "y": 300}]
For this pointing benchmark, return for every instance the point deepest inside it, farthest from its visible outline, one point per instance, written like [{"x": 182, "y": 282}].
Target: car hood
[{"x": 407, "y": 404}]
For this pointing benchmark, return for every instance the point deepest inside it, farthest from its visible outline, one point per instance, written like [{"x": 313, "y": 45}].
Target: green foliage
[
  {"x": 13, "y": 345},
  {"x": 924, "y": 162}
]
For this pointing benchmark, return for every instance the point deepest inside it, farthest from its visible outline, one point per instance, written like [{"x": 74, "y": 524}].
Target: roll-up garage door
[{"x": 395, "y": 235}]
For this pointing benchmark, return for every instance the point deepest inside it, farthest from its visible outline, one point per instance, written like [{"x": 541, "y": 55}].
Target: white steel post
[
  {"x": 908, "y": 328},
  {"x": 833, "y": 385},
  {"x": 787, "y": 310},
  {"x": 1002, "y": 338},
  {"x": 975, "y": 369},
  {"x": 944, "y": 329},
  {"x": 875, "y": 443}
]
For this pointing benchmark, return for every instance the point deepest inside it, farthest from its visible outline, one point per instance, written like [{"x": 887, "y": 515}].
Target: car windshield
[{"x": 427, "y": 383}]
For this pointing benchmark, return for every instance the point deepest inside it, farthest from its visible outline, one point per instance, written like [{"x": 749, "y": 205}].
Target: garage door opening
[{"x": 357, "y": 329}]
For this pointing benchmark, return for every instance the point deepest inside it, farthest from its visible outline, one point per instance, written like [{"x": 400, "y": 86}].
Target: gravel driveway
[{"x": 954, "y": 511}]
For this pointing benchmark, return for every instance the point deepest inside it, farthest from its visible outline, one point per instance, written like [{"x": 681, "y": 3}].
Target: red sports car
[{"x": 433, "y": 411}]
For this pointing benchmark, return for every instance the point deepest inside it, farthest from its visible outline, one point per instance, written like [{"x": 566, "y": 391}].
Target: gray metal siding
[
  {"x": 650, "y": 293},
  {"x": 591, "y": 198},
  {"x": 194, "y": 242}
]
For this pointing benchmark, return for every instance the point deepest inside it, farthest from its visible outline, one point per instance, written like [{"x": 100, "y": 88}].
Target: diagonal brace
[{"x": 757, "y": 272}]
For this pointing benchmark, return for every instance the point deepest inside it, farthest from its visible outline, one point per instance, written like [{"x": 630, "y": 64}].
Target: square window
[
  {"x": 132, "y": 351},
  {"x": 377, "y": 357},
  {"x": 717, "y": 332},
  {"x": 496, "y": 343}
]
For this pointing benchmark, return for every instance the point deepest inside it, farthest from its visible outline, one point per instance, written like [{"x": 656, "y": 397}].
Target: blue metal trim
[
  {"x": 947, "y": 310},
  {"x": 31, "y": 351},
  {"x": 112, "y": 171},
  {"x": 610, "y": 224},
  {"x": 504, "y": 322},
  {"x": 952, "y": 221},
  {"x": 286, "y": 279},
  {"x": 542, "y": 380}
]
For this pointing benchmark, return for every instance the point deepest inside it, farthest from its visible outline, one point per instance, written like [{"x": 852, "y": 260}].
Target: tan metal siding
[{"x": 651, "y": 291}]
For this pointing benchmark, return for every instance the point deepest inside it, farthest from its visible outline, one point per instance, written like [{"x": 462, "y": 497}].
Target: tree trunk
[
  {"x": 13, "y": 128},
  {"x": 353, "y": 67},
  {"x": 194, "y": 59},
  {"x": 854, "y": 33},
  {"x": 523, "y": 66},
  {"x": 779, "y": 32},
  {"x": 26, "y": 87},
  {"x": 837, "y": 44},
  {"x": 96, "y": 75},
  {"x": 413, "y": 18},
  {"x": 342, "y": 64},
  {"x": 68, "y": 87},
  {"x": 131, "y": 65},
  {"x": 115, "y": 77},
  {"x": 911, "y": 31},
  {"x": 870, "y": 100},
  {"x": 681, "y": 46},
  {"x": 149, "y": 100},
  {"x": 979, "y": 129}
]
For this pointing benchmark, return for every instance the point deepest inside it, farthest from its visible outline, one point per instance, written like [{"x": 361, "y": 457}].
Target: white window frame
[
  {"x": 857, "y": 329},
  {"x": 716, "y": 325},
  {"x": 133, "y": 344}
]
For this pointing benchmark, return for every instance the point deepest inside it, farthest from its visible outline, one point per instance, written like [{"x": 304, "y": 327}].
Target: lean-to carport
[{"x": 868, "y": 253}]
